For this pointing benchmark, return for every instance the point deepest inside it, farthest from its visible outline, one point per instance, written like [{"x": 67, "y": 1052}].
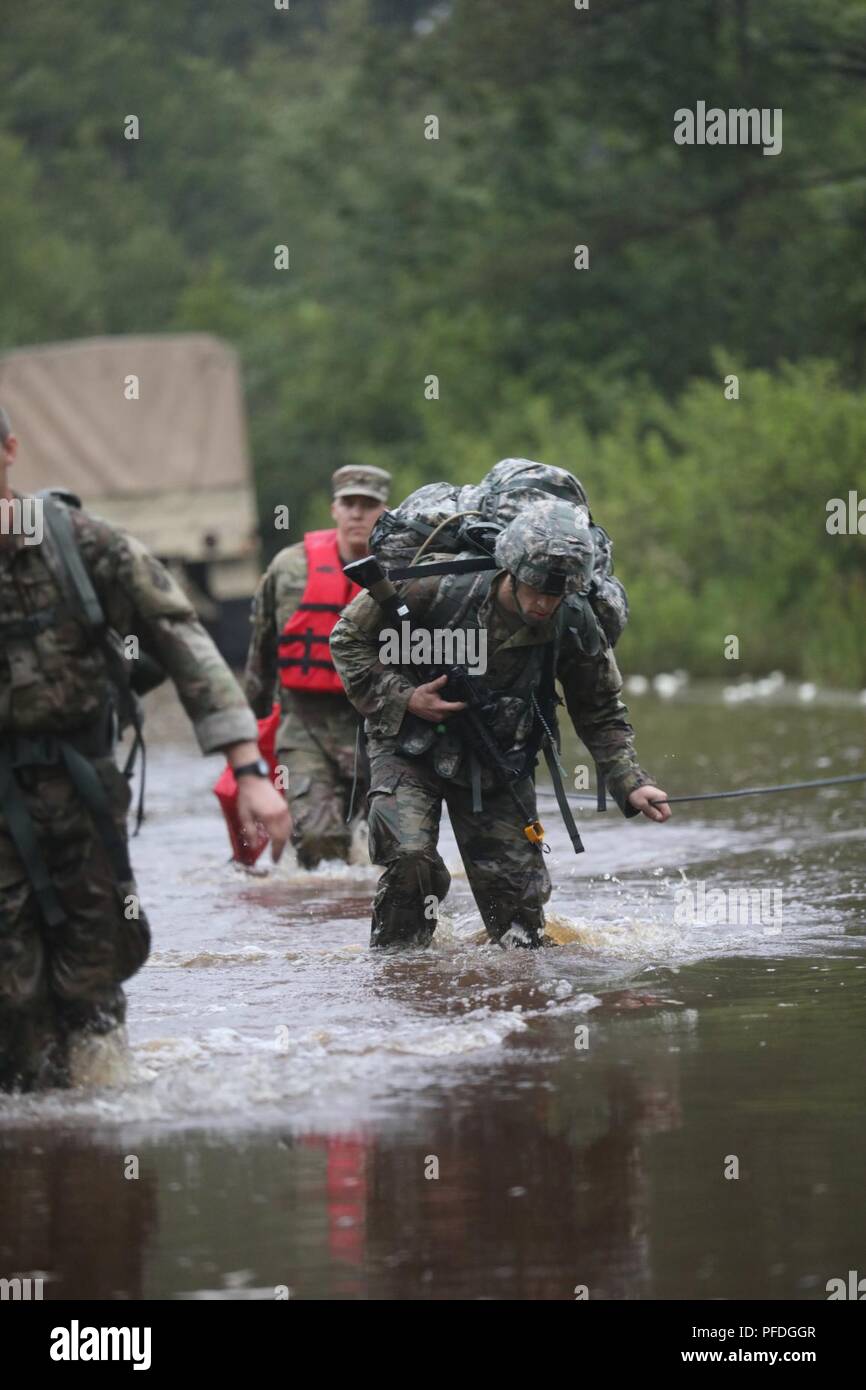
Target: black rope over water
[
  {"x": 763, "y": 791},
  {"x": 748, "y": 791}
]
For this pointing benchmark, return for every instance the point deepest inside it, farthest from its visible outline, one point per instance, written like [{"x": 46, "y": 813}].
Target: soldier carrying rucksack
[
  {"x": 533, "y": 597},
  {"x": 71, "y": 930}
]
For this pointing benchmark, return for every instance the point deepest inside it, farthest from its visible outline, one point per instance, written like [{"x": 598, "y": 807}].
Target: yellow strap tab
[{"x": 534, "y": 832}]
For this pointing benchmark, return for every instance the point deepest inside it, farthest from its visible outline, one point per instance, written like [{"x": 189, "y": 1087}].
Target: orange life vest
[{"x": 304, "y": 655}]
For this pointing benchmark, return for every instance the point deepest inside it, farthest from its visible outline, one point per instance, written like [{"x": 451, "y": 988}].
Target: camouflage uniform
[
  {"x": 56, "y": 693},
  {"x": 317, "y": 732},
  {"x": 507, "y": 873}
]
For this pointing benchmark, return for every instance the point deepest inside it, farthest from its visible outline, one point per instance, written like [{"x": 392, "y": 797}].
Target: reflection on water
[{"x": 463, "y": 1122}]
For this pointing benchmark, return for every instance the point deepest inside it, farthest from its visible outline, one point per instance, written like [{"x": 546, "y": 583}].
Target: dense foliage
[{"x": 454, "y": 257}]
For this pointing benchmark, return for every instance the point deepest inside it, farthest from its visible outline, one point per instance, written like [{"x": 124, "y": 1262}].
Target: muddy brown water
[{"x": 311, "y": 1120}]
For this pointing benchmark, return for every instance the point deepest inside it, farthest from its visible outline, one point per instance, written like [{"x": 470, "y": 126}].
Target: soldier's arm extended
[
  {"x": 260, "y": 675},
  {"x": 141, "y": 598},
  {"x": 381, "y": 693},
  {"x": 591, "y": 686}
]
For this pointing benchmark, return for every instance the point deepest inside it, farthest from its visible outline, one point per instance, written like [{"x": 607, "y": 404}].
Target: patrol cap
[{"x": 361, "y": 480}]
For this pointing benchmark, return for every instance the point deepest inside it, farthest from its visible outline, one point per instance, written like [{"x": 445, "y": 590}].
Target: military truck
[{"x": 150, "y": 432}]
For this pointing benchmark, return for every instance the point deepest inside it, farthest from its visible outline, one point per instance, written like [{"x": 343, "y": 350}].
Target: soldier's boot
[
  {"x": 513, "y": 923},
  {"x": 524, "y": 930},
  {"x": 518, "y": 937},
  {"x": 33, "y": 1054},
  {"x": 407, "y": 900}
]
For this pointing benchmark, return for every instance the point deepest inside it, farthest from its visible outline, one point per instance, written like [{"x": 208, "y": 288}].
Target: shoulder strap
[
  {"x": 79, "y": 590},
  {"x": 455, "y": 597},
  {"x": 580, "y": 617},
  {"x": 74, "y": 576}
]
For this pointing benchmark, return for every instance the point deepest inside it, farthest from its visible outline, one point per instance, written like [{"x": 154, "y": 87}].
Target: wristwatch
[{"x": 257, "y": 769}]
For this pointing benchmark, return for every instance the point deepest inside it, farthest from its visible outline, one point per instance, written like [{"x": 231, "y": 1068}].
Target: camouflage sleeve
[
  {"x": 380, "y": 693},
  {"x": 260, "y": 675},
  {"x": 140, "y": 597},
  {"x": 592, "y": 686}
]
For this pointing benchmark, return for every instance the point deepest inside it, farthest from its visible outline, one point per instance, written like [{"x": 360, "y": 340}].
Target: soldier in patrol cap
[
  {"x": 540, "y": 629},
  {"x": 296, "y": 606},
  {"x": 71, "y": 930}
]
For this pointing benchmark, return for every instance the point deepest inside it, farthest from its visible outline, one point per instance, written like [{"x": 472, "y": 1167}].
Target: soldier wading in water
[
  {"x": 71, "y": 929},
  {"x": 540, "y": 629},
  {"x": 297, "y": 603}
]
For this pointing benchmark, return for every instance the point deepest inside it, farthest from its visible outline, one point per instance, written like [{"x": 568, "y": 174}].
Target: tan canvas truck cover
[{"x": 172, "y": 466}]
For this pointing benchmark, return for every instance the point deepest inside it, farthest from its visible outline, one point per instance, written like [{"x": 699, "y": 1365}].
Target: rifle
[{"x": 459, "y": 687}]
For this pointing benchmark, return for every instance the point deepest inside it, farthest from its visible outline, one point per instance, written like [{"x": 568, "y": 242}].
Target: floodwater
[{"x": 310, "y": 1120}]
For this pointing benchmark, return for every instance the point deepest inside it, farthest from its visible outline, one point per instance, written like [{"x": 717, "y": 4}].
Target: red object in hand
[{"x": 226, "y": 792}]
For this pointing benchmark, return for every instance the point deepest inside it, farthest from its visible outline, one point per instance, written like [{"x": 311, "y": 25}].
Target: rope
[
  {"x": 745, "y": 791},
  {"x": 436, "y": 529},
  {"x": 763, "y": 791}
]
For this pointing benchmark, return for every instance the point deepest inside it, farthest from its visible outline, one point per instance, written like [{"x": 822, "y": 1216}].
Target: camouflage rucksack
[{"x": 448, "y": 519}]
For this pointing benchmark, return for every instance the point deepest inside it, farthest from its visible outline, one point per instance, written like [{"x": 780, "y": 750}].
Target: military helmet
[{"x": 550, "y": 547}]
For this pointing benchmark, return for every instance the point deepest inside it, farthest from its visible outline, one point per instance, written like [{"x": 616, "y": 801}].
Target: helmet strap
[{"x": 518, "y": 604}]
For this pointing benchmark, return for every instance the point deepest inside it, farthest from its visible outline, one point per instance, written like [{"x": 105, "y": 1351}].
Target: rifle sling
[
  {"x": 561, "y": 798},
  {"x": 471, "y": 565},
  {"x": 23, "y": 834}
]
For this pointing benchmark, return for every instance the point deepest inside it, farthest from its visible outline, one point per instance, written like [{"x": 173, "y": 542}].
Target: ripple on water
[{"x": 224, "y": 1074}]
